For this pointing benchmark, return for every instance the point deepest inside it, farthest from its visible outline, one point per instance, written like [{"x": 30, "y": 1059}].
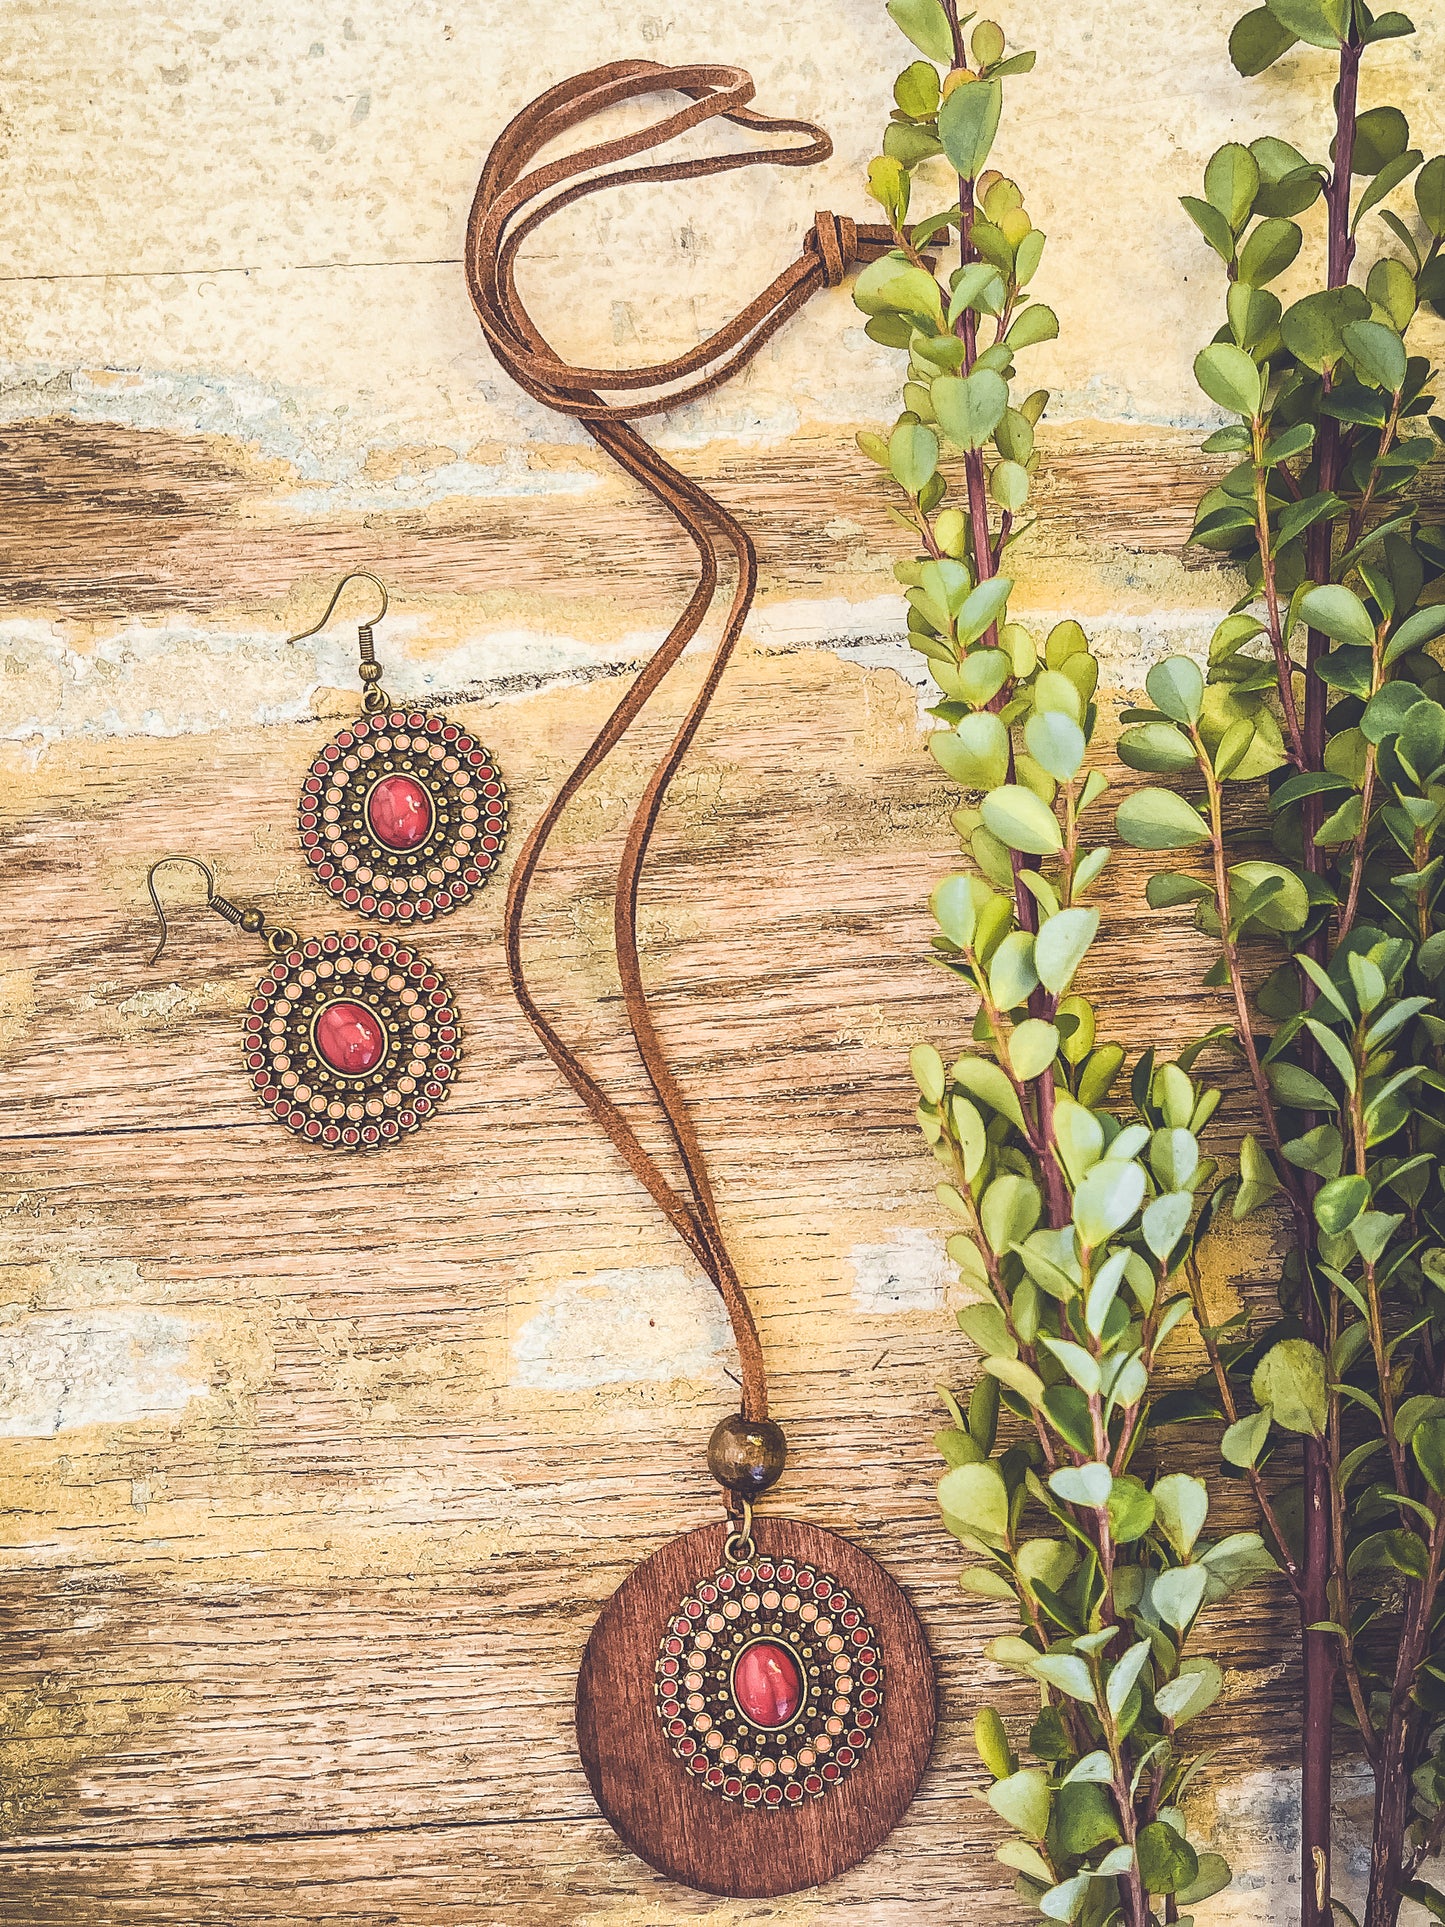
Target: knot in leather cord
[{"x": 515, "y": 194}]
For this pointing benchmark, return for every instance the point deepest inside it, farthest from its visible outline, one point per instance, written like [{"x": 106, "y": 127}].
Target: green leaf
[
  {"x": 1339, "y": 1203},
  {"x": 1167, "y": 1863},
  {"x": 894, "y": 286},
  {"x": 985, "y": 1080},
  {"x": 1086, "y": 1485},
  {"x": 1035, "y": 324},
  {"x": 1155, "y": 819},
  {"x": 1124, "y": 1676},
  {"x": 969, "y": 407},
  {"x": 1290, "y": 1379},
  {"x": 1181, "y": 1504},
  {"x": 916, "y": 89},
  {"x": 1178, "y": 1595},
  {"x": 954, "y": 905},
  {"x": 1107, "y": 1199},
  {"x": 1066, "y": 1673},
  {"x": 1428, "y": 1445},
  {"x": 1268, "y": 252},
  {"x": 1231, "y": 181},
  {"x": 926, "y": 25},
  {"x": 1258, "y": 41},
  {"x": 1033, "y": 1047},
  {"x": 928, "y": 1073},
  {"x": 1009, "y": 1211},
  {"x": 1381, "y": 135},
  {"x": 1422, "y": 627},
  {"x": 1176, "y": 686},
  {"x": 1230, "y": 378},
  {"x": 1056, "y": 743},
  {"x": 1012, "y": 979},
  {"x": 913, "y": 456},
  {"x": 1165, "y": 1221},
  {"x": 1022, "y": 821},
  {"x": 1157, "y": 748},
  {"x": 1378, "y": 353},
  {"x": 967, "y": 123},
  {"x": 1430, "y": 195},
  {"x": 975, "y": 752},
  {"x": 1323, "y": 23},
  {"x": 1061, "y": 947},
  {"x": 1312, "y": 328},
  {"x": 990, "y": 1739},
  {"x": 1245, "y": 1440},
  {"x": 1211, "y": 224},
  {"x": 1339, "y": 613},
  {"x": 977, "y": 1497},
  {"x": 1023, "y": 1800},
  {"x": 983, "y": 606},
  {"x": 1196, "y": 1687}
]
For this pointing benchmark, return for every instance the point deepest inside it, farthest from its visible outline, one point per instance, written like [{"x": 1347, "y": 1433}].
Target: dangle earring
[
  {"x": 351, "y": 1039},
  {"x": 403, "y": 814}
]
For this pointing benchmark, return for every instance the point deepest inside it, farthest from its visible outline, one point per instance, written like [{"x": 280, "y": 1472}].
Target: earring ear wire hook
[
  {"x": 195, "y": 862},
  {"x": 357, "y": 575}
]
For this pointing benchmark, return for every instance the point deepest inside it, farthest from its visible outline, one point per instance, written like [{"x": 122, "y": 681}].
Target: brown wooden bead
[{"x": 747, "y": 1455}]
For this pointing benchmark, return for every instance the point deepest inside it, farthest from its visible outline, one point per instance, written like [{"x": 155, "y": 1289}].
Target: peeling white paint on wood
[
  {"x": 116, "y": 1366},
  {"x": 909, "y": 1271},
  {"x": 624, "y": 1326}
]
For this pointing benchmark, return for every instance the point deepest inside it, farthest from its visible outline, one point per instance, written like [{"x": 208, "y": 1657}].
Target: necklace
[{"x": 756, "y": 1703}]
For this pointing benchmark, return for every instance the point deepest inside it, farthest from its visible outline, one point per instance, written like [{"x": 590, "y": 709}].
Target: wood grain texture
[
  {"x": 309, "y": 1635},
  {"x": 690, "y": 1833}
]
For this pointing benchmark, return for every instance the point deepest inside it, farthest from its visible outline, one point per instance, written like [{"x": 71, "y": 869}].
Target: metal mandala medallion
[
  {"x": 769, "y": 1683},
  {"x": 352, "y": 1040},
  {"x": 403, "y": 816}
]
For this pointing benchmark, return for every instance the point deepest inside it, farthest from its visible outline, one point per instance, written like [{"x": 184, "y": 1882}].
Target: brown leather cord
[{"x": 513, "y": 198}]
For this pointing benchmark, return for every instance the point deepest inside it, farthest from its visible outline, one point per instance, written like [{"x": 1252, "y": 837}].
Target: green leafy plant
[
  {"x": 1318, "y": 737},
  {"x": 1076, "y": 1225}
]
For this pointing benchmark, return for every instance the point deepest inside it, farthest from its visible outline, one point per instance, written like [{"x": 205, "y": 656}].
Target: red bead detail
[
  {"x": 369, "y": 1134},
  {"x": 752, "y": 1794},
  {"x": 688, "y": 1748},
  {"x": 351, "y": 1135},
  {"x": 450, "y": 733},
  {"x": 793, "y": 1790},
  {"x": 831, "y": 1771},
  {"x": 732, "y": 1788},
  {"x": 321, "y": 768},
  {"x": 767, "y": 1683},
  {"x": 697, "y": 1765},
  {"x": 725, "y": 1582},
  {"x": 331, "y": 1135},
  {"x": 351, "y": 895},
  {"x": 350, "y": 1037},
  {"x": 844, "y": 1756},
  {"x": 867, "y": 1699},
  {"x": 774, "y": 1796},
  {"x": 433, "y": 724},
  {"x": 715, "y": 1776},
  {"x": 813, "y": 1783},
  {"x": 869, "y": 1677},
  {"x": 331, "y": 944},
  {"x": 405, "y": 910},
  {"x": 386, "y": 908},
  {"x": 368, "y": 904},
  {"x": 865, "y": 1720},
  {"x": 399, "y": 813}
]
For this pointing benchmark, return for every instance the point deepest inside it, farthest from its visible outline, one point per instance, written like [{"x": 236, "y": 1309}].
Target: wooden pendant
[{"x": 753, "y": 1725}]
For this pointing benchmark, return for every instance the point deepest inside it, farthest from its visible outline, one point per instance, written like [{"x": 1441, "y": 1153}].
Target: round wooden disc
[{"x": 686, "y": 1830}]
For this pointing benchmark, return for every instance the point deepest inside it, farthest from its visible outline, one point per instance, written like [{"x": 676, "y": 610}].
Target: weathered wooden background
[{"x": 316, "y": 1470}]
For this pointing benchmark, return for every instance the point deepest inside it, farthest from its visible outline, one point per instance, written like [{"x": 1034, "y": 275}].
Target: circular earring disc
[
  {"x": 352, "y": 1040},
  {"x": 402, "y": 816},
  {"x": 756, "y": 1726}
]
